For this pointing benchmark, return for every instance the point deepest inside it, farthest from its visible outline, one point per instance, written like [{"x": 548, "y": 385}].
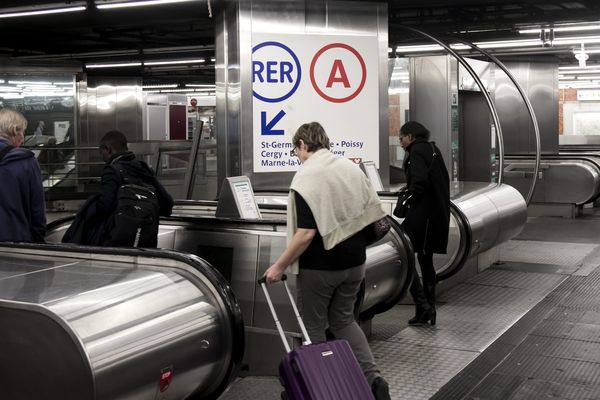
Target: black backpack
[{"x": 135, "y": 220}]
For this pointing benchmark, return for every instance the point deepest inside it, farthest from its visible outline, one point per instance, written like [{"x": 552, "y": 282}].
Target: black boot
[
  {"x": 423, "y": 309},
  {"x": 423, "y": 316},
  {"x": 429, "y": 290}
]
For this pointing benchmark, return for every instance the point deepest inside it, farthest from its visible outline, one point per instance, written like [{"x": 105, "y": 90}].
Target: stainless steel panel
[
  {"x": 430, "y": 99},
  {"x": 540, "y": 82},
  {"x": 121, "y": 321},
  {"x": 111, "y": 104},
  {"x": 238, "y": 254}
]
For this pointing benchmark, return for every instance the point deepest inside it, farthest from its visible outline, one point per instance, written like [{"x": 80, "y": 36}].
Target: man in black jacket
[{"x": 95, "y": 222}]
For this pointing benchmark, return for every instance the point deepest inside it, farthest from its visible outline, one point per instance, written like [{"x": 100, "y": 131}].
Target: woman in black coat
[{"x": 428, "y": 216}]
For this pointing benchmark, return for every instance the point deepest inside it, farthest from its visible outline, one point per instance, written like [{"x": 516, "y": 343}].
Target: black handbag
[
  {"x": 375, "y": 231},
  {"x": 402, "y": 205},
  {"x": 404, "y": 196}
]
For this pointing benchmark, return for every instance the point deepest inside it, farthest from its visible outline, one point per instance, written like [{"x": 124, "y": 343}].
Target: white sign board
[
  {"x": 372, "y": 173},
  {"x": 245, "y": 199},
  {"x": 329, "y": 79}
]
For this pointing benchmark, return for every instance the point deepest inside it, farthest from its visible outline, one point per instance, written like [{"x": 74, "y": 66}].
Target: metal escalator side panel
[
  {"x": 564, "y": 179},
  {"x": 31, "y": 364},
  {"x": 136, "y": 313}
]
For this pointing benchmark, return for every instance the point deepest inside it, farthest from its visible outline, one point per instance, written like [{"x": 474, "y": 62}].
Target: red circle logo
[{"x": 363, "y": 68}]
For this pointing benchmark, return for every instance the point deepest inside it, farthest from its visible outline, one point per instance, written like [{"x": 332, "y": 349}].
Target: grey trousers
[{"x": 327, "y": 298}]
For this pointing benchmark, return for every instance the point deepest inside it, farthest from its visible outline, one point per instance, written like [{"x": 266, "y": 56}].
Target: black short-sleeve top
[{"x": 347, "y": 254}]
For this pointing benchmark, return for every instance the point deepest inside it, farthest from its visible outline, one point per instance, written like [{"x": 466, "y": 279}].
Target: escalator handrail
[{"x": 410, "y": 268}]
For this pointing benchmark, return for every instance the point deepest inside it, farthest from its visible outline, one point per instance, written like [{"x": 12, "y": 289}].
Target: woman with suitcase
[{"x": 330, "y": 202}]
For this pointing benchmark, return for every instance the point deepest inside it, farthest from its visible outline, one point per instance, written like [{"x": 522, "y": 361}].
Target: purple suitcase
[{"x": 321, "y": 371}]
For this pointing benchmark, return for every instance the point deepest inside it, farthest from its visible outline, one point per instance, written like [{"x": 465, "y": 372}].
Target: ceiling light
[
  {"x": 565, "y": 28},
  {"x": 166, "y": 85},
  {"x": 500, "y": 44},
  {"x": 123, "y": 4},
  {"x": 198, "y": 60},
  {"x": 176, "y": 90},
  {"x": 198, "y": 85},
  {"x": 576, "y": 40},
  {"x": 572, "y": 68},
  {"x": 459, "y": 46},
  {"x": 41, "y": 9},
  {"x": 118, "y": 65},
  {"x": 418, "y": 48}
]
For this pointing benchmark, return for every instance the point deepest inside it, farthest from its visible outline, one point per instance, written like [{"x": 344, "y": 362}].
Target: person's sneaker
[{"x": 381, "y": 389}]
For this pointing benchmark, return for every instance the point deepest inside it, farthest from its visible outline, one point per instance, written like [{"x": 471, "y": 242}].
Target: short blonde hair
[
  {"x": 10, "y": 121},
  {"x": 313, "y": 135}
]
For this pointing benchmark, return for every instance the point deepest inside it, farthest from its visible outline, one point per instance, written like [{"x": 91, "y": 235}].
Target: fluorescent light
[
  {"x": 585, "y": 71},
  {"x": 131, "y": 64},
  {"x": 589, "y": 51},
  {"x": 197, "y": 85},
  {"x": 570, "y": 28},
  {"x": 212, "y": 59},
  {"x": 499, "y": 44},
  {"x": 29, "y": 83},
  {"x": 416, "y": 49},
  {"x": 176, "y": 90},
  {"x": 198, "y": 60},
  {"x": 1, "y": 80},
  {"x": 41, "y": 10},
  {"x": 166, "y": 85},
  {"x": 575, "y": 40},
  {"x": 578, "y": 68},
  {"x": 124, "y": 4},
  {"x": 459, "y": 46}
]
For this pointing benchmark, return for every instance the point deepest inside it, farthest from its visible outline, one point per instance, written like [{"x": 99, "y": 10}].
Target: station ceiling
[{"x": 186, "y": 31}]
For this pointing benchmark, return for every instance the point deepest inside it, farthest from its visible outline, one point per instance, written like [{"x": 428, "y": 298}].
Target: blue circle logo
[{"x": 275, "y": 78}]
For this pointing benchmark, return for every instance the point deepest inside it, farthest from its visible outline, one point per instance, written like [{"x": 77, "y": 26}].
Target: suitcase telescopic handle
[{"x": 263, "y": 283}]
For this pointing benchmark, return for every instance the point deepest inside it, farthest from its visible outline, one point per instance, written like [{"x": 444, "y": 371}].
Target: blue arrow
[{"x": 267, "y": 128}]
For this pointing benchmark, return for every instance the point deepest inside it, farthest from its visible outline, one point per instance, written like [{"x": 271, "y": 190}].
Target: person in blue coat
[{"x": 22, "y": 205}]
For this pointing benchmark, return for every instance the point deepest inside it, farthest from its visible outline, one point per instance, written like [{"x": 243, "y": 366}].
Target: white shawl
[{"x": 339, "y": 195}]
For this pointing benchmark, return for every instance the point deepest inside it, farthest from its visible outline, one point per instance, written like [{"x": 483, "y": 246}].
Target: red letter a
[{"x": 338, "y": 66}]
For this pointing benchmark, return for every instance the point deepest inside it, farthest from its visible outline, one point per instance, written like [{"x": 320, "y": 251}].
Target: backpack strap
[
  {"x": 121, "y": 172},
  {"x": 5, "y": 151}
]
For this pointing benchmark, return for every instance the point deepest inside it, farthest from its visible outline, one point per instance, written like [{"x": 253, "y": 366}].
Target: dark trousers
[{"x": 424, "y": 294}]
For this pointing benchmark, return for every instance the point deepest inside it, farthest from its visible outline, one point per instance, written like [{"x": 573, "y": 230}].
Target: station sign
[{"x": 333, "y": 80}]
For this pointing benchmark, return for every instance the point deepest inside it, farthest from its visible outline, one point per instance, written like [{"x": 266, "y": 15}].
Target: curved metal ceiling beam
[
  {"x": 488, "y": 99},
  {"x": 529, "y": 109}
]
